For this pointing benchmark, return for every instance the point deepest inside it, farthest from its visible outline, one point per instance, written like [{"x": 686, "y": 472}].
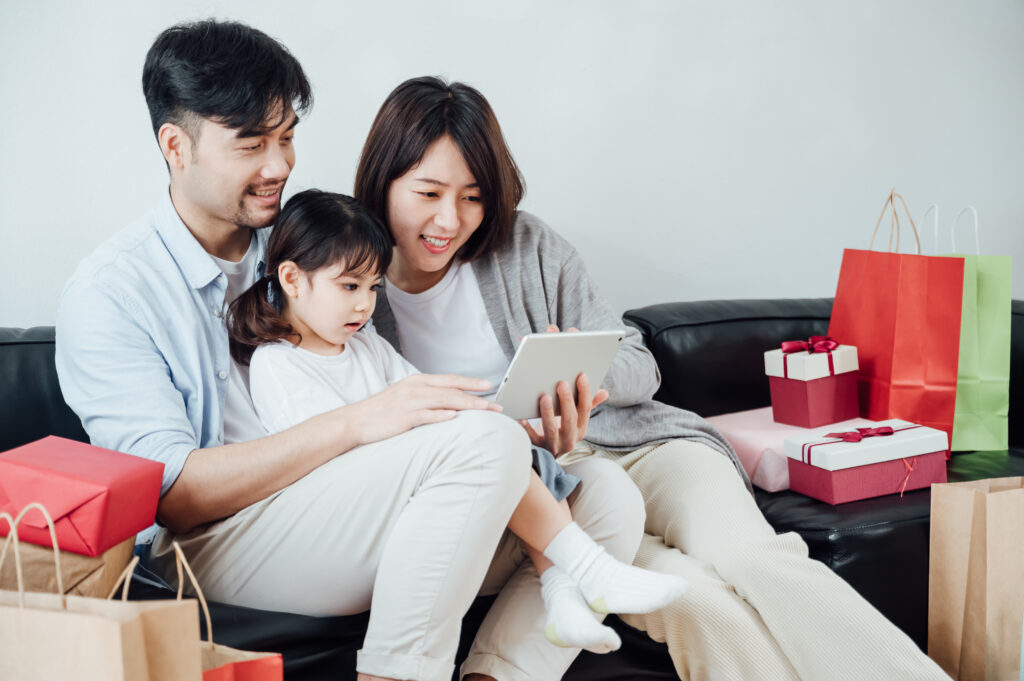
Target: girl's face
[
  {"x": 433, "y": 209},
  {"x": 328, "y": 305}
]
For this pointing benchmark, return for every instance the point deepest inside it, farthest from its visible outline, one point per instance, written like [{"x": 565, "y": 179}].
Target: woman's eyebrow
[{"x": 439, "y": 183}]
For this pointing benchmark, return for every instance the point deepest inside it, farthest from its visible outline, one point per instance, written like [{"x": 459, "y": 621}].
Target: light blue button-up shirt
[{"x": 142, "y": 350}]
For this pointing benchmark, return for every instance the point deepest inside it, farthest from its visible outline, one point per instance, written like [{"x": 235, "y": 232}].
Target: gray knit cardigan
[{"x": 538, "y": 278}]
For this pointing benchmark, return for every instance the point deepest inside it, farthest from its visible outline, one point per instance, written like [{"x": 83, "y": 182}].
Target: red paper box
[
  {"x": 810, "y": 404},
  {"x": 889, "y": 458},
  {"x": 97, "y": 497},
  {"x": 865, "y": 482},
  {"x": 813, "y": 383}
]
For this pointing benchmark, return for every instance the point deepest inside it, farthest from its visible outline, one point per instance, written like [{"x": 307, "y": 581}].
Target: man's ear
[
  {"x": 288, "y": 274},
  {"x": 175, "y": 144}
]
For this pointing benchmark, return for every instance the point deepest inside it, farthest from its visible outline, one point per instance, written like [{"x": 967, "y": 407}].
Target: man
[{"x": 282, "y": 522}]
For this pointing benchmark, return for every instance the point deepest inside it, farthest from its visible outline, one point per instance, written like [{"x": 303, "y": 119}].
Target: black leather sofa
[{"x": 710, "y": 356}]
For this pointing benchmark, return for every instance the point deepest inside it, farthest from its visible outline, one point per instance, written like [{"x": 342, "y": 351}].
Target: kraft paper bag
[
  {"x": 975, "y": 584},
  {"x": 47, "y": 636},
  {"x": 220, "y": 662},
  {"x": 81, "y": 575},
  {"x": 983, "y": 377},
  {"x": 902, "y": 312}
]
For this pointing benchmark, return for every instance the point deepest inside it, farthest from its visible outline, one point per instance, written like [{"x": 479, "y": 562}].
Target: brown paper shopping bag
[
  {"x": 81, "y": 575},
  {"x": 975, "y": 586},
  {"x": 47, "y": 636},
  {"x": 220, "y": 662}
]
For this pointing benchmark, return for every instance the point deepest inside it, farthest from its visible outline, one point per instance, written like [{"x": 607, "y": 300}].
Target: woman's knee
[{"x": 608, "y": 506}]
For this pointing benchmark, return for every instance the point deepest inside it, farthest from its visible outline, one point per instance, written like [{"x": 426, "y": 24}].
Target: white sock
[
  {"x": 571, "y": 624},
  {"x": 607, "y": 584}
]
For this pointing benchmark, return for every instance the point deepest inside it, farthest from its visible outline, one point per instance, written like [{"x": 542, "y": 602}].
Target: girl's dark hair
[
  {"x": 416, "y": 114},
  {"x": 315, "y": 229}
]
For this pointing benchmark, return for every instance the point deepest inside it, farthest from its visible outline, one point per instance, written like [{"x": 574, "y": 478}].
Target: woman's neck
[{"x": 411, "y": 280}]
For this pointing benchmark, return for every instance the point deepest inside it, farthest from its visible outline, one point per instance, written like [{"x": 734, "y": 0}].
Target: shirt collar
[{"x": 195, "y": 263}]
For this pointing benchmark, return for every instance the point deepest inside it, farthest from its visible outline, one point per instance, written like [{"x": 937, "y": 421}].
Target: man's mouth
[
  {"x": 267, "y": 197},
  {"x": 434, "y": 244}
]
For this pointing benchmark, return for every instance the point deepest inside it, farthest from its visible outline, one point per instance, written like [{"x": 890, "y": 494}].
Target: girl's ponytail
[{"x": 255, "y": 318}]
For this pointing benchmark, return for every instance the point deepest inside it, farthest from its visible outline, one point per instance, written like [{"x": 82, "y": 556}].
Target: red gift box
[
  {"x": 813, "y": 383},
  {"x": 810, "y": 404},
  {"x": 97, "y": 497},
  {"x": 865, "y": 482},
  {"x": 890, "y": 458}
]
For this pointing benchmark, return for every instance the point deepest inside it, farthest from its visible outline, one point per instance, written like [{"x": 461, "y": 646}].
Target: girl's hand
[
  {"x": 414, "y": 401},
  {"x": 559, "y": 434}
]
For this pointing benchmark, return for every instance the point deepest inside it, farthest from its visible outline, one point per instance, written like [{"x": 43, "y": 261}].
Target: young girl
[{"x": 301, "y": 331}]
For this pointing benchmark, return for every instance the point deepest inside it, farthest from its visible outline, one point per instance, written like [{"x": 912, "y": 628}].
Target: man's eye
[
  {"x": 254, "y": 147},
  {"x": 287, "y": 140}
]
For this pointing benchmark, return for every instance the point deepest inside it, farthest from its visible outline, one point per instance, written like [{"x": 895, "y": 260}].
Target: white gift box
[
  {"x": 808, "y": 366},
  {"x": 834, "y": 454}
]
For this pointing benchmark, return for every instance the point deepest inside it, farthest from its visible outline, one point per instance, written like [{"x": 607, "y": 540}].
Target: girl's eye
[
  {"x": 350, "y": 287},
  {"x": 376, "y": 287}
]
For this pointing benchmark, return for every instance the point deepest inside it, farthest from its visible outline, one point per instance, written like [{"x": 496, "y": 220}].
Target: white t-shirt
[
  {"x": 445, "y": 329},
  {"x": 290, "y": 385},
  {"x": 240, "y": 421}
]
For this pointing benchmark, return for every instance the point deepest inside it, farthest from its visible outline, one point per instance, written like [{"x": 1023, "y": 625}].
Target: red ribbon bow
[
  {"x": 812, "y": 345},
  {"x": 861, "y": 433}
]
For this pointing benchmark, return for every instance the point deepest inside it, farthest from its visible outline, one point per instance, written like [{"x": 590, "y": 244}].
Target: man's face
[{"x": 234, "y": 177}]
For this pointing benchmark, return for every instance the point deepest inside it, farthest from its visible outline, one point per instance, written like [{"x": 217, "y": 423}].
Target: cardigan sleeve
[{"x": 633, "y": 377}]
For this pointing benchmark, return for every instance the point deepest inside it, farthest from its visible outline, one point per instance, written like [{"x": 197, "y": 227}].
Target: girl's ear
[{"x": 288, "y": 275}]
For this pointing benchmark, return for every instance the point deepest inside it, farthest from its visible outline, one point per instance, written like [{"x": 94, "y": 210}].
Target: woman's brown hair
[
  {"x": 415, "y": 115},
  {"x": 315, "y": 229}
]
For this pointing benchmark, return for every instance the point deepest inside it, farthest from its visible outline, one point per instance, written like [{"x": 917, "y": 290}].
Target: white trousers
[
  {"x": 410, "y": 525},
  {"x": 757, "y": 606}
]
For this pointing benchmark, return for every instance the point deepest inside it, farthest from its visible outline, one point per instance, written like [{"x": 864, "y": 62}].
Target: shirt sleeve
[
  {"x": 633, "y": 377},
  {"x": 395, "y": 366},
  {"x": 284, "y": 392},
  {"x": 115, "y": 378}
]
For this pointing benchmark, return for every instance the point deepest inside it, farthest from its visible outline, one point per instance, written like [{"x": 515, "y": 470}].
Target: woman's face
[{"x": 433, "y": 209}]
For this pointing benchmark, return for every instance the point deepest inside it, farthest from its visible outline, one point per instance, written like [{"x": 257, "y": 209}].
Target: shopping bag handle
[
  {"x": 180, "y": 562},
  {"x": 12, "y": 536},
  {"x": 894, "y": 225},
  {"x": 124, "y": 578},
  {"x": 952, "y": 230}
]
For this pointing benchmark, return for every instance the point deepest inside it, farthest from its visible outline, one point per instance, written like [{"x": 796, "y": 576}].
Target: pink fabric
[{"x": 758, "y": 440}]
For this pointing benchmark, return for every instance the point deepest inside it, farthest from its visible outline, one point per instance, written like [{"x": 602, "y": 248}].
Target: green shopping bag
[{"x": 983, "y": 378}]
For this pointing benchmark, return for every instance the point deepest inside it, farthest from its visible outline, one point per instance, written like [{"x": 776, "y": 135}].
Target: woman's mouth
[{"x": 434, "y": 244}]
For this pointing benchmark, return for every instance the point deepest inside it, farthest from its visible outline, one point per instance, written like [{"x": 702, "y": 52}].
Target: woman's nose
[{"x": 447, "y": 216}]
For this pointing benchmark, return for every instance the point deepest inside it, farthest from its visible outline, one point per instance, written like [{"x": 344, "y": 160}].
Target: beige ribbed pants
[{"x": 757, "y": 606}]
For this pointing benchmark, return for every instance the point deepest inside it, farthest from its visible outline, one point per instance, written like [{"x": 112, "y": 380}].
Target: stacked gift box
[{"x": 830, "y": 454}]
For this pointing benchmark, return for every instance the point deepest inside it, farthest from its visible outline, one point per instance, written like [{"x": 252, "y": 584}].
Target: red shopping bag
[{"x": 903, "y": 313}]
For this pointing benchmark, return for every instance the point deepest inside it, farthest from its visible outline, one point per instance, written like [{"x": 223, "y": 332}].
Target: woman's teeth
[{"x": 436, "y": 242}]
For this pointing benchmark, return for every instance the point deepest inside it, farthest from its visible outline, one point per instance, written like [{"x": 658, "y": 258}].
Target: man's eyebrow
[{"x": 439, "y": 183}]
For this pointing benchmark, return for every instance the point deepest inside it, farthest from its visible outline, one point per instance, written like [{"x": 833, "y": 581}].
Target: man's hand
[
  {"x": 414, "y": 401},
  {"x": 559, "y": 434}
]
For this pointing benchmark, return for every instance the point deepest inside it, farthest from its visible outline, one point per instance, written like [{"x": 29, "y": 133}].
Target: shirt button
[
  {"x": 217, "y": 312},
  {"x": 223, "y": 375}
]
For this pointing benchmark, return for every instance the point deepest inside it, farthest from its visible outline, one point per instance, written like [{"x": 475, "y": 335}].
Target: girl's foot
[
  {"x": 607, "y": 584},
  {"x": 571, "y": 624}
]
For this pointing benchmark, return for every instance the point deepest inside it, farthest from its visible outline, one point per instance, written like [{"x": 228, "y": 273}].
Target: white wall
[{"x": 690, "y": 150}]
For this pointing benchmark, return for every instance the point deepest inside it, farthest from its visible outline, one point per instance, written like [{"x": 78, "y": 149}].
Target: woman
[{"x": 473, "y": 275}]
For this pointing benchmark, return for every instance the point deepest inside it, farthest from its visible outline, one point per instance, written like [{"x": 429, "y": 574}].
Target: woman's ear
[{"x": 288, "y": 275}]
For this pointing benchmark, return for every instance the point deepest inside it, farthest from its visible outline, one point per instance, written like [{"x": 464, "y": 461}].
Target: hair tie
[{"x": 271, "y": 293}]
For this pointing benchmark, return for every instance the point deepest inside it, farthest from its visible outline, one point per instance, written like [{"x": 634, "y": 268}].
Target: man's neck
[{"x": 218, "y": 238}]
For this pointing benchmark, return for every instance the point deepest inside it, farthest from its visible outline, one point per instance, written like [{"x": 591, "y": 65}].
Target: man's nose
[{"x": 277, "y": 165}]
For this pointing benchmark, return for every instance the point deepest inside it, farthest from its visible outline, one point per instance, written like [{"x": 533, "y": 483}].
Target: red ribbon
[
  {"x": 811, "y": 345},
  {"x": 849, "y": 436},
  {"x": 910, "y": 469}
]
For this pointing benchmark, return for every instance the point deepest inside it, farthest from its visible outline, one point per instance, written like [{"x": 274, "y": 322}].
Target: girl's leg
[
  {"x": 698, "y": 504},
  {"x": 607, "y": 584},
  {"x": 413, "y": 521}
]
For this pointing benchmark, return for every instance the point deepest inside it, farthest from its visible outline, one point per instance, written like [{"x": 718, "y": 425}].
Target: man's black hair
[{"x": 224, "y": 71}]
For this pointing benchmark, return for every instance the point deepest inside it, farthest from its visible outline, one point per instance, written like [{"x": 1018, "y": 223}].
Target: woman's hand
[
  {"x": 559, "y": 434},
  {"x": 414, "y": 401}
]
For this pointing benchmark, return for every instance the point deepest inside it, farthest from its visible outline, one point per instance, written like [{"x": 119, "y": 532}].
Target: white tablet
[{"x": 544, "y": 359}]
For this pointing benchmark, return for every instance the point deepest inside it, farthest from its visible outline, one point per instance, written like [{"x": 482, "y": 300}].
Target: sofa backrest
[
  {"x": 31, "y": 404},
  {"x": 711, "y": 353}
]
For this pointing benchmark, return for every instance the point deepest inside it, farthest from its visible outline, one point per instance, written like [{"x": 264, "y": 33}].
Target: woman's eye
[
  {"x": 429, "y": 195},
  {"x": 473, "y": 199}
]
